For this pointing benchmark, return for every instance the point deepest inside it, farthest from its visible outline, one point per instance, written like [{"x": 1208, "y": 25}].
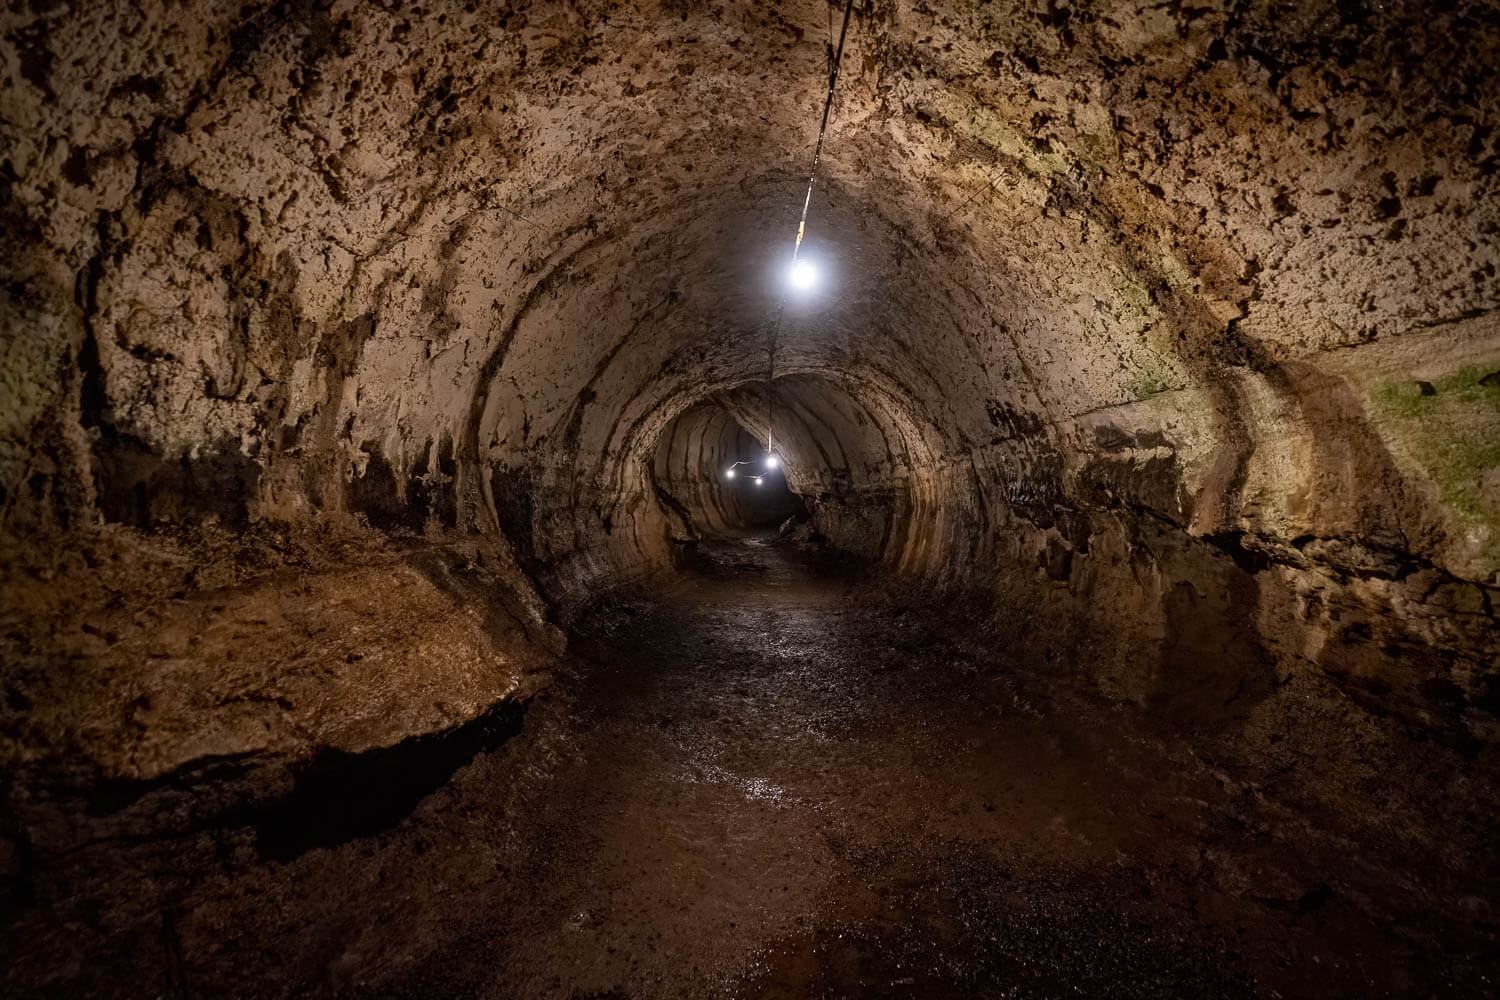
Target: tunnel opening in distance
[{"x": 713, "y": 479}]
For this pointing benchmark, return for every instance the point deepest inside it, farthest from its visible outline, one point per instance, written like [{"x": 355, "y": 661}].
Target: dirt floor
[{"x": 769, "y": 781}]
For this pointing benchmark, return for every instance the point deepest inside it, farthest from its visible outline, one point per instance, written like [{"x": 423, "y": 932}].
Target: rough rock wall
[{"x": 1136, "y": 316}]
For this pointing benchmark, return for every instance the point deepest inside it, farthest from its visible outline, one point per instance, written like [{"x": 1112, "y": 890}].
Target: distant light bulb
[
  {"x": 803, "y": 275},
  {"x": 757, "y": 480},
  {"x": 772, "y": 461},
  {"x": 728, "y": 473}
]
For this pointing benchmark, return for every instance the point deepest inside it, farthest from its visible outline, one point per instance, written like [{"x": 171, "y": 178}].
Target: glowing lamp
[
  {"x": 803, "y": 275},
  {"x": 772, "y": 461},
  {"x": 728, "y": 473}
]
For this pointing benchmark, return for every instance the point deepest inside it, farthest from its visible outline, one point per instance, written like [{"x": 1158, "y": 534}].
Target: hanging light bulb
[
  {"x": 803, "y": 275},
  {"x": 772, "y": 461},
  {"x": 729, "y": 473},
  {"x": 757, "y": 480}
]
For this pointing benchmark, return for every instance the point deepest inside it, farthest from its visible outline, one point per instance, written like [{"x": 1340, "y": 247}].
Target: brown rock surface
[{"x": 352, "y": 349}]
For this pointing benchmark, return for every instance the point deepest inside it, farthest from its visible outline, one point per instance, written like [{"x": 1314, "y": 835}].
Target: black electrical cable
[{"x": 833, "y": 80}]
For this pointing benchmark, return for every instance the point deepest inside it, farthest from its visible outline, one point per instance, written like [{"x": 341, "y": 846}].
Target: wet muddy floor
[{"x": 769, "y": 781}]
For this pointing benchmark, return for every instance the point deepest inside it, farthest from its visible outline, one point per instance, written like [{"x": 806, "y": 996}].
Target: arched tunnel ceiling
[
  {"x": 368, "y": 364},
  {"x": 454, "y": 236}
]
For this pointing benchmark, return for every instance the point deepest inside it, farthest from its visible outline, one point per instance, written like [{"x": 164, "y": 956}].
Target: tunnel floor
[{"x": 774, "y": 780}]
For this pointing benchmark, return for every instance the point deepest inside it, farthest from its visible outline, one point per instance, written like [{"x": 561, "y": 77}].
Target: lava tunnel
[{"x": 842, "y": 498}]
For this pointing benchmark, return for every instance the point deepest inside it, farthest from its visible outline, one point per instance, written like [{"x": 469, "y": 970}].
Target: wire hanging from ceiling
[{"x": 835, "y": 60}]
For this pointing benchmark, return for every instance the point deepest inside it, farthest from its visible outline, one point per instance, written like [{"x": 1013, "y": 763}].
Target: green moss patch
[{"x": 1451, "y": 427}]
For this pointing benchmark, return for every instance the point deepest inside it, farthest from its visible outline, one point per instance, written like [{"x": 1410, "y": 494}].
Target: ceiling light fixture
[{"x": 803, "y": 275}]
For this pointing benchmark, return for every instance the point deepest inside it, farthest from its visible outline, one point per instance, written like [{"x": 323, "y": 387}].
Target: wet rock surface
[{"x": 776, "y": 780}]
